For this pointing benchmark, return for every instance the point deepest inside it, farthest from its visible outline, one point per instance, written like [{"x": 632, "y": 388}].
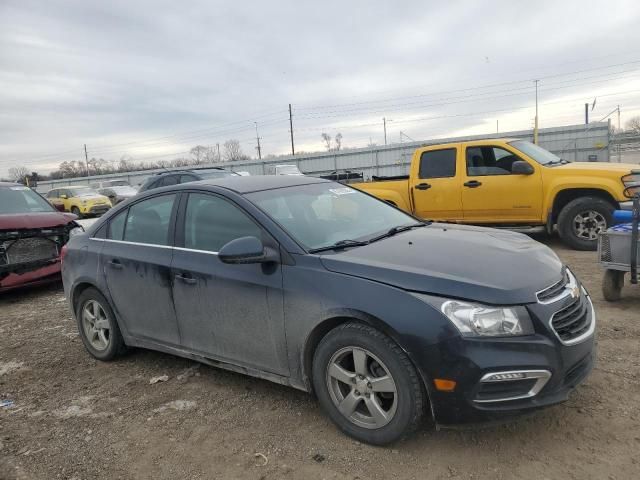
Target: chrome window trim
[
  {"x": 126, "y": 242},
  {"x": 585, "y": 335},
  {"x": 542, "y": 377}
]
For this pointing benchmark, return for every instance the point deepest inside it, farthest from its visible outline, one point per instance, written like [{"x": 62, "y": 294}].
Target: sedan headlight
[
  {"x": 632, "y": 184},
  {"x": 478, "y": 320}
]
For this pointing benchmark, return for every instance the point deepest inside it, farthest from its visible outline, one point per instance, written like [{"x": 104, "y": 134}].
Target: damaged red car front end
[{"x": 32, "y": 234}]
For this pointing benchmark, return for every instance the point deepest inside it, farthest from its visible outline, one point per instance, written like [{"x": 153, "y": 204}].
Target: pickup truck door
[
  {"x": 492, "y": 194},
  {"x": 434, "y": 185}
]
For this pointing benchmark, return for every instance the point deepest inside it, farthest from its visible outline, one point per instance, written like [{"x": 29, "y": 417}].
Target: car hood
[
  {"x": 619, "y": 169},
  {"x": 475, "y": 263},
  {"x": 23, "y": 221}
]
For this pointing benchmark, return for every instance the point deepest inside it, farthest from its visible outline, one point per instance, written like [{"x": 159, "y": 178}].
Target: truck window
[
  {"x": 438, "y": 164},
  {"x": 484, "y": 161}
]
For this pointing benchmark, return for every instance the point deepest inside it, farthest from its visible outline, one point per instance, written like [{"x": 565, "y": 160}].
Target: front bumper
[
  {"x": 520, "y": 375},
  {"x": 95, "y": 209}
]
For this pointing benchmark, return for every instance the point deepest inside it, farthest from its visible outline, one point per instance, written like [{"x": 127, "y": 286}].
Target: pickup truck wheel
[
  {"x": 76, "y": 212},
  {"x": 367, "y": 384},
  {"x": 582, "y": 220},
  {"x": 612, "y": 284}
]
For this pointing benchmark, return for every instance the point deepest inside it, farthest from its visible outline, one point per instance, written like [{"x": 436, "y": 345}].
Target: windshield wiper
[
  {"x": 339, "y": 245},
  {"x": 394, "y": 230}
]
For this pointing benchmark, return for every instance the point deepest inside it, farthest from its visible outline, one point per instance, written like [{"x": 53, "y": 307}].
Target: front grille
[
  {"x": 572, "y": 321},
  {"x": 26, "y": 250},
  {"x": 554, "y": 290}
]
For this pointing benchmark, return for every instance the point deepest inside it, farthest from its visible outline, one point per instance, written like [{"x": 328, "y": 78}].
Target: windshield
[
  {"x": 319, "y": 215},
  {"x": 82, "y": 192},
  {"x": 539, "y": 154},
  {"x": 216, "y": 173},
  {"x": 124, "y": 190},
  {"x": 20, "y": 199}
]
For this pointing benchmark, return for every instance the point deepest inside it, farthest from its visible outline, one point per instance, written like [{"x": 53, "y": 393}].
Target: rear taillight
[{"x": 63, "y": 253}]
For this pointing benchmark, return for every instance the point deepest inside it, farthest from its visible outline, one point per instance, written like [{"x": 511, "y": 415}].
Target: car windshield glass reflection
[{"x": 323, "y": 214}]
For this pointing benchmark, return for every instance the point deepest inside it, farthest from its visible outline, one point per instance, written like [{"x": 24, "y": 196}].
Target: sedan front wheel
[{"x": 367, "y": 384}]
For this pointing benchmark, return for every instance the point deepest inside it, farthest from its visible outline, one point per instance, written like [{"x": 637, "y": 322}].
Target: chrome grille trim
[{"x": 584, "y": 301}]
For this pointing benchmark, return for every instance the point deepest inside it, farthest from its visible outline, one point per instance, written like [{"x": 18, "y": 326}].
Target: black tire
[
  {"x": 612, "y": 284},
  {"x": 567, "y": 228},
  {"x": 76, "y": 212},
  {"x": 410, "y": 399},
  {"x": 115, "y": 345}
]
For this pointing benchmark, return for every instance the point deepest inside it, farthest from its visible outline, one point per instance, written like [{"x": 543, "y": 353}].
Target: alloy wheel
[
  {"x": 361, "y": 387},
  {"x": 96, "y": 325},
  {"x": 588, "y": 224}
]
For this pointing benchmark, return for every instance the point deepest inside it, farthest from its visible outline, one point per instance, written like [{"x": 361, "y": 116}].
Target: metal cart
[{"x": 618, "y": 251}]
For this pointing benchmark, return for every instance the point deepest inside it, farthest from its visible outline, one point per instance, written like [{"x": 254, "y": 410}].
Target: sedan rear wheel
[
  {"x": 97, "y": 326},
  {"x": 367, "y": 384}
]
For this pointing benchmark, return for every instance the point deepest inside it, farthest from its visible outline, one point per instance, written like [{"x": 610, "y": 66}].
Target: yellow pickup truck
[{"x": 511, "y": 183}]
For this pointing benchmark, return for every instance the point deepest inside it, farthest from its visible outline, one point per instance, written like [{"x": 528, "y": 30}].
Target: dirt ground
[{"x": 77, "y": 418}]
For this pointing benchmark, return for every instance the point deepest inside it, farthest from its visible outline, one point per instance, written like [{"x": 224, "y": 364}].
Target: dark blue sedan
[{"x": 316, "y": 285}]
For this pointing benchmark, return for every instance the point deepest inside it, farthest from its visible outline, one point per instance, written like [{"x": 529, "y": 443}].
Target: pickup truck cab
[{"x": 510, "y": 183}]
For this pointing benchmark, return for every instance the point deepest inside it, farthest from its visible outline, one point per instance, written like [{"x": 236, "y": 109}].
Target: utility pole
[
  {"x": 497, "y": 127},
  {"x": 86, "y": 158},
  {"x": 586, "y": 114},
  {"x": 535, "y": 127},
  {"x": 618, "y": 118},
  {"x": 293, "y": 150},
  {"x": 384, "y": 126},
  {"x": 258, "y": 140}
]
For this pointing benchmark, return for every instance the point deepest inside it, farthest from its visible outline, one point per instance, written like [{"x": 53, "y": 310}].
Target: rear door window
[
  {"x": 149, "y": 221},
  {"x": 438, "y": 164}
]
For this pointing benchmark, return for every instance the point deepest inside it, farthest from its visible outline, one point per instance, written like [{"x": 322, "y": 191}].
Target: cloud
[{"x": 153, "y": 78}]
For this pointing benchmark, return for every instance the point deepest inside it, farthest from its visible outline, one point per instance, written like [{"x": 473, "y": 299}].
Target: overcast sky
[{"x": 151, "y": 79}]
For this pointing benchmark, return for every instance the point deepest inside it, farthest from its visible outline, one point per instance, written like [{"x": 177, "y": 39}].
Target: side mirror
[
  {"x": 521, "y": 167},
  {"x": 246, "y": 250}
]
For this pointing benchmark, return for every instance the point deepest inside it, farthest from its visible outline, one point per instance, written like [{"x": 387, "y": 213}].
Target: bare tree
[
  {"x": 338, "y": 141},
  {"x": 201, "y": 154},
  {"x": 18, "y": 174},
  {"x": 633, "y": 125},
  {"x": 326, "y": 138},
  {"x": 232, "y": 151}
]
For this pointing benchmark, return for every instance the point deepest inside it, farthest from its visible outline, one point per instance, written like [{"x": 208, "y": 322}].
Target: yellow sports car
[{"x": 79, "y": 200}]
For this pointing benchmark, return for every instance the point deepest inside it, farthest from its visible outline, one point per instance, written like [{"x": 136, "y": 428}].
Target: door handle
[
  {"x": 472, "y": 184},
  {"x": 186, "y": 278},
  {"x": 115, "y": 264},
  {"x": 423, "y": 186}
]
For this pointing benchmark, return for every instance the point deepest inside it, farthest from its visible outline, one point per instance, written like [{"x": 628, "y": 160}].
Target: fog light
[
  {"x": 444, "y": 385},
  {"x": 499, "y": 377}
]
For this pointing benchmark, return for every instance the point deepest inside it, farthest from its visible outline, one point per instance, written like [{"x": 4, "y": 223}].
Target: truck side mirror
[{"x": 521, "y": 167}]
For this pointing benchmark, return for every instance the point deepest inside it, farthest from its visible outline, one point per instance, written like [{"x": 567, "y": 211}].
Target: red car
[{"x": 32, "y": 234}]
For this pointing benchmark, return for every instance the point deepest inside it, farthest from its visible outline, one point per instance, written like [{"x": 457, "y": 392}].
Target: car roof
[{"x": 256, "y": 183}]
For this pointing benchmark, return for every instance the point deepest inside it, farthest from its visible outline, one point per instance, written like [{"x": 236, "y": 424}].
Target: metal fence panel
[{"x": 573, "y": 142}]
